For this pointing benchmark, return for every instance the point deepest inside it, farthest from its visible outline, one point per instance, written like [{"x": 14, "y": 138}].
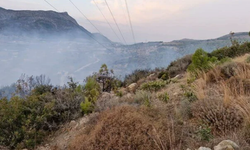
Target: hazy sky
[{"x": 153, "y": 20}]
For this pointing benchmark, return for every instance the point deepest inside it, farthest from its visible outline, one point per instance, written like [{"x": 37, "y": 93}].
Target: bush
[
  {"x": 205, "y": 133},
  {"x": 164, "y": 75},
  {"x": 176, "y": 67},
  {"x": 136, "y": 76},
  {"x": 248, "y": 59},
  {"x": 86, "y": 106},
  {"x": 179, "y": 66},
  {"x": 92, "y": 89},
  {"x": 153, "y": 85},
  {"x": 200, "y": 62},
  {"x": 127, "y": 127},
  {"x": 215, "y": 114},
  {"x": 142, "y": 97},
  {"x": 25, "y": 121},
  {"x": 231, "y": 52},
  {"x": 163, "y": 97}
]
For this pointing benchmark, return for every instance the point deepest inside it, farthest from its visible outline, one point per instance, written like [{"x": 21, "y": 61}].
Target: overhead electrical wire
[
  {"x": 115, "y": 22},
  {"x": 85, "y": 17},
  {"x": 51, "y": 5},
  {"x": 90, "y": 35},
  {"x": 106, "y": 20},
  {"x": 131, "y": 27}
]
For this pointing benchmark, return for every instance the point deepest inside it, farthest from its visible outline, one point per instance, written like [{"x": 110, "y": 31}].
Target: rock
[
  {"x": 151, "y": 77},
  {"x": 204, "y": 148},
  {"x": 227, "y": 145},
  {"x": 132, "y": 87},
  {"x": 3, "y": 148},
  {"x": 179, "y": 76},
  {"x": 72, "y": 123},
  {"x": 175, "y": 94}
]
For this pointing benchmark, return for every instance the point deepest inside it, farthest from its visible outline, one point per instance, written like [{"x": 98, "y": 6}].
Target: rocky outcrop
[{"x": 227, "y": 145}]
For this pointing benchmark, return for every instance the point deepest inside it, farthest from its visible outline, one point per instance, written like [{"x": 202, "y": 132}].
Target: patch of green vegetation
[
  {"x": 231, "y": 52},
  {"x": 163, "y": 97},
  {"x": 153, "y": 85},
  {"x": 248, "y": 59},
  {"x": 143, "y": 97},
  {"x": 200, "y": 62},
  {"x": 86, "y": 106},
  {"x": 205, "y": 133}
]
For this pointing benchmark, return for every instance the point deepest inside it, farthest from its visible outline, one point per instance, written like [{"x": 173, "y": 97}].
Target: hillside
[
  {"x": 198, "y": 100},
  {"x": 42, "y": 23}
]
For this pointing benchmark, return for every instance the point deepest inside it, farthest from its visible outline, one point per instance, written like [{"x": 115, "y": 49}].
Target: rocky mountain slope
[{"x": 41, "y": 23}]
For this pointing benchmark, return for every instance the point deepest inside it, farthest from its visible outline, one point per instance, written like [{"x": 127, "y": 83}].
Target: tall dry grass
[
  {"x": 224, "y": 98},
  {"x": 133, "y": 128}
]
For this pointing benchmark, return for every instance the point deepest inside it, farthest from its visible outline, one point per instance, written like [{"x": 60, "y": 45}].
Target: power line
[
  {"x": 51, "y": 5},
  {"x": 85, "y": 17},
  {"x": 106, "y": 20},
  {"x": 130, "y": 21},
  {"x": 89, "y": 34},
  {"x": 115, "y": 22}
]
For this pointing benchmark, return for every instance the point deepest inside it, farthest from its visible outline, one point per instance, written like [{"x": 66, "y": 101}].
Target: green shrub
[
  {"x": 92, "y": 89},
  {"x": 231, "y": 52},
  {"x": 164, "y": 75},
  {"x": 205, "y": 133},
  {"x": 24, "y": 122},
  {"x": 143, "y": 98},
  {"x": 164, "y": 97},
  {"x": 248, "y": 59},
  {"x": 200, "y": 61},
  {"x": 190, "y": 96},
  {"x": 188, "y": 93},
  {"x": 153, "y": 85},
  {"x": 86, "y": 106},
  {"x": 119, "y": 93},
  {"x": 224, "y": 60}
]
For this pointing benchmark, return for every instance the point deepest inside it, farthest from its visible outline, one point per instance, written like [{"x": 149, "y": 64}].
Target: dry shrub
[
  {"x": 130, "y": 128},
  {"x": 225, "y": 72},
  {"x": 238, "y": 87},
  {"x": 221, "y": 118},
  {"x": 179, "y": 66}
]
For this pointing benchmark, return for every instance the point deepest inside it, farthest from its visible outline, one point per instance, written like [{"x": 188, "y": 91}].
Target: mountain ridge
[{"x": 40, "y": 22}]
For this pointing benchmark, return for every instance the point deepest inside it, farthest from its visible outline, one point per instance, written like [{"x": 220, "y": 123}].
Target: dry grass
[
  {"x": 224, "y": 103},
  {"x": 130, "y": 128},
  {"x": 221, "y": 118}
]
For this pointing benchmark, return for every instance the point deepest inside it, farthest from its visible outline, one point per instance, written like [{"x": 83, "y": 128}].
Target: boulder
[
  {"x": 132, "y": 87},
  {"x": 204, "y": 148},
  {"x": 226, "y": 145}
]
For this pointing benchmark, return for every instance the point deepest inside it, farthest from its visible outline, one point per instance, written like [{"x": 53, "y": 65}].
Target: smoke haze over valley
[{"x": 54, "y": 44}]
